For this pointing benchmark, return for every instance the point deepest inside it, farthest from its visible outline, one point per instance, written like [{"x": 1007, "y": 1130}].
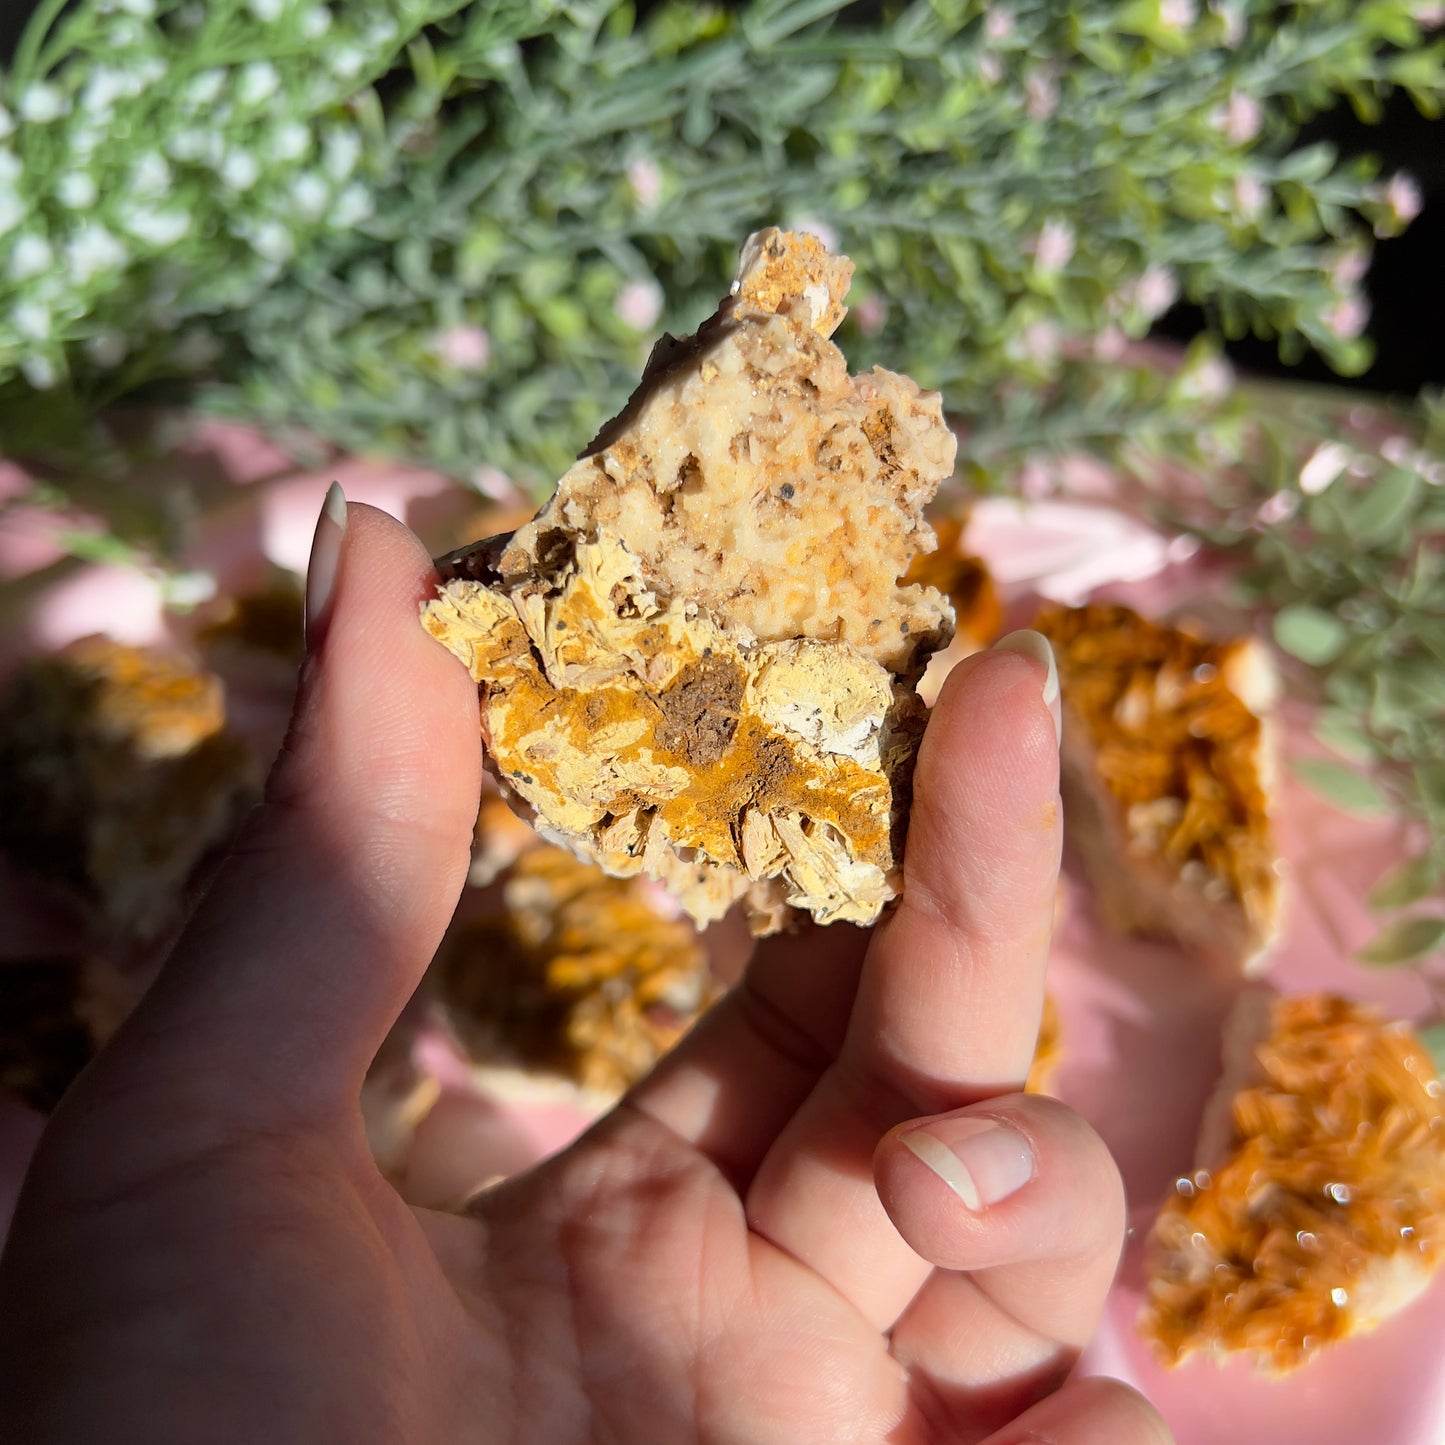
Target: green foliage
[
  {"x": 446, "y": 229},
  {"x": 449, "y": 231}
]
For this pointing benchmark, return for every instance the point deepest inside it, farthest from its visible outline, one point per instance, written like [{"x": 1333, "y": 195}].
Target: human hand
[{"x": 753, "y": 1246}]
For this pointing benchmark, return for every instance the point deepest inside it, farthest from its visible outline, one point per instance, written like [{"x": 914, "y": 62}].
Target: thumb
[{"x": 318, "y": 927}]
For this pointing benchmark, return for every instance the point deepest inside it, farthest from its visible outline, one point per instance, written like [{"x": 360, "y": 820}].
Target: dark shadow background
[{"x": 1406, "y": 284}]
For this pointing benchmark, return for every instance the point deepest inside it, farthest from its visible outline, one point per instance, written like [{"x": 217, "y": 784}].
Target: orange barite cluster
[
  {"x": 578, "y": 974},
  {"x": 1178, "y": 758},
  {"x": 1328, "y": 1212},
  {"x": 117, "y": 774}
]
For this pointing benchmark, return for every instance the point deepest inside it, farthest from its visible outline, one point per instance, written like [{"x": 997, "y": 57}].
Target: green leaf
[
  {"x": 1341, "y": 732},
  {"x": 1409, "y": 883},
  {"x": 1403, "y": 942},
  {"x": 1432, "y": 1036},
  {"x": 1310, "y": 633},
  {"x": 1376, "y": 514},
  {"x": 1348, "y": 788}
]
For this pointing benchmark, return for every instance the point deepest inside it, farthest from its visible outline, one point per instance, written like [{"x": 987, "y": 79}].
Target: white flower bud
[
  {"x": 31, "y": 320},
  {"x": 257, "y": 82},
  {"x": 42, "y": 102},
  {"x": 290, "y": 141},
  {"x": 311, "y": 195},
  {"x": 91, "y": 250},
  {"x": 12, "y": 210},
  {"x": 150, "y": 176},
  {"x": 272, "y": 242},
  {"x": 240, "y": 170},
  {"x": 29, "y": 256},
  {"x": 341, "y": 149},
  {"x": 77, "y": 190},
  {"x": 157, "y": 228},
  {"x": 316, "y": 22},
  {"x": 1325, "y": 464},
  {"x": 205, "y": 86},
  {"x": 353, "y": 205},
  {"x": 39, "y": 371},
  {"x": 346, "y": 61},
  {"x": 266, "y": 10},
  {"x": 104, "y": 86}
]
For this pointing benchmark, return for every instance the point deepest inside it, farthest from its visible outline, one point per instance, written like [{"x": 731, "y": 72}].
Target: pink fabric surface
[{"x": 1141, "y": 1020}]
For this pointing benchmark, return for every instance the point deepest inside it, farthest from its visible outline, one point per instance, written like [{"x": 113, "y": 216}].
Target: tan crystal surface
[
  {"x": 579, "y": 975},
  {"x": 697, "y": 661},
  {"x": 1168, "y": 764},
  {"x": 1326, "y": 1210},
  {"x": 117, "y": 775}
]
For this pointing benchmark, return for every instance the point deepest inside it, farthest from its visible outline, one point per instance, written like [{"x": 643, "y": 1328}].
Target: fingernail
[
  {"x": 325, "y": 559},
  {"x": 1033, "y": 644},
  {"x": 981, "y": 1160}
]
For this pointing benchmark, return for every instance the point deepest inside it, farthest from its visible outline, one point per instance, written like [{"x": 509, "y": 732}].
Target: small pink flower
[
  {"x": 639, "y": 304},
  {"x": 1240, "y": 118},
  {"x": 1250, "y": 195},
  {"x": 468, "y": 348},
  {"x": 1177, "y": 14},
  {"x": 1347, "y": 318},
  {"x": 1155, "y": 291},
  {"x": 1053, "y": 246},
  {"x": 998, "y": 24},
  {"x": 1277, "y": 508},
  {"x": 1430, "y": 16},
  {"x": 1402, "y": 195},
  {"x": 1040, "y": 342},
  {"x": 1211, "y": 380},
  {"x": 1349, "y": 267},
  {"x": 1041, "y": 94},
  {"x": 871, "y": 313},
  {"x": 990, "y": 68},
  {"x": 1110, "y": 344},
  {"x": 645, "y": 179}
]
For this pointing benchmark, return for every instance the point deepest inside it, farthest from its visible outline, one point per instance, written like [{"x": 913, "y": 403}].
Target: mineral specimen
[
  {"x": 1320, "y": 1209},
  {"x": 117, "y": 775},
  {"x": 1168, "y": 766},
  {"x": 698, "y": 661},
  {"x": 578, "y": 977}
]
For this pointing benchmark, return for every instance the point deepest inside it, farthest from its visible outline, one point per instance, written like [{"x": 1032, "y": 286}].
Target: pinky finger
[{"x": 1093, "y": 1411}]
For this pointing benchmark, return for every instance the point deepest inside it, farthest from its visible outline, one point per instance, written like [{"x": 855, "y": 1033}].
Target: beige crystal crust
[{"x": 697, "y": 662}]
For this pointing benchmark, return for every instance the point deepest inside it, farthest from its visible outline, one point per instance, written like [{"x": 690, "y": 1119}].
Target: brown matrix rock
[{"x": 697, "y": 662}]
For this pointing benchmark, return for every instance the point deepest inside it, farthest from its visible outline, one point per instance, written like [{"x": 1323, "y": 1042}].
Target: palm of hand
[{"x": 750, "y": 1248}]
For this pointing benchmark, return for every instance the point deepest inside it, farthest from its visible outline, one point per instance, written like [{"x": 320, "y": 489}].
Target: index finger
[
  {"x": 949, "y": 1001},
  {"x": 951, "y": 991}
]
